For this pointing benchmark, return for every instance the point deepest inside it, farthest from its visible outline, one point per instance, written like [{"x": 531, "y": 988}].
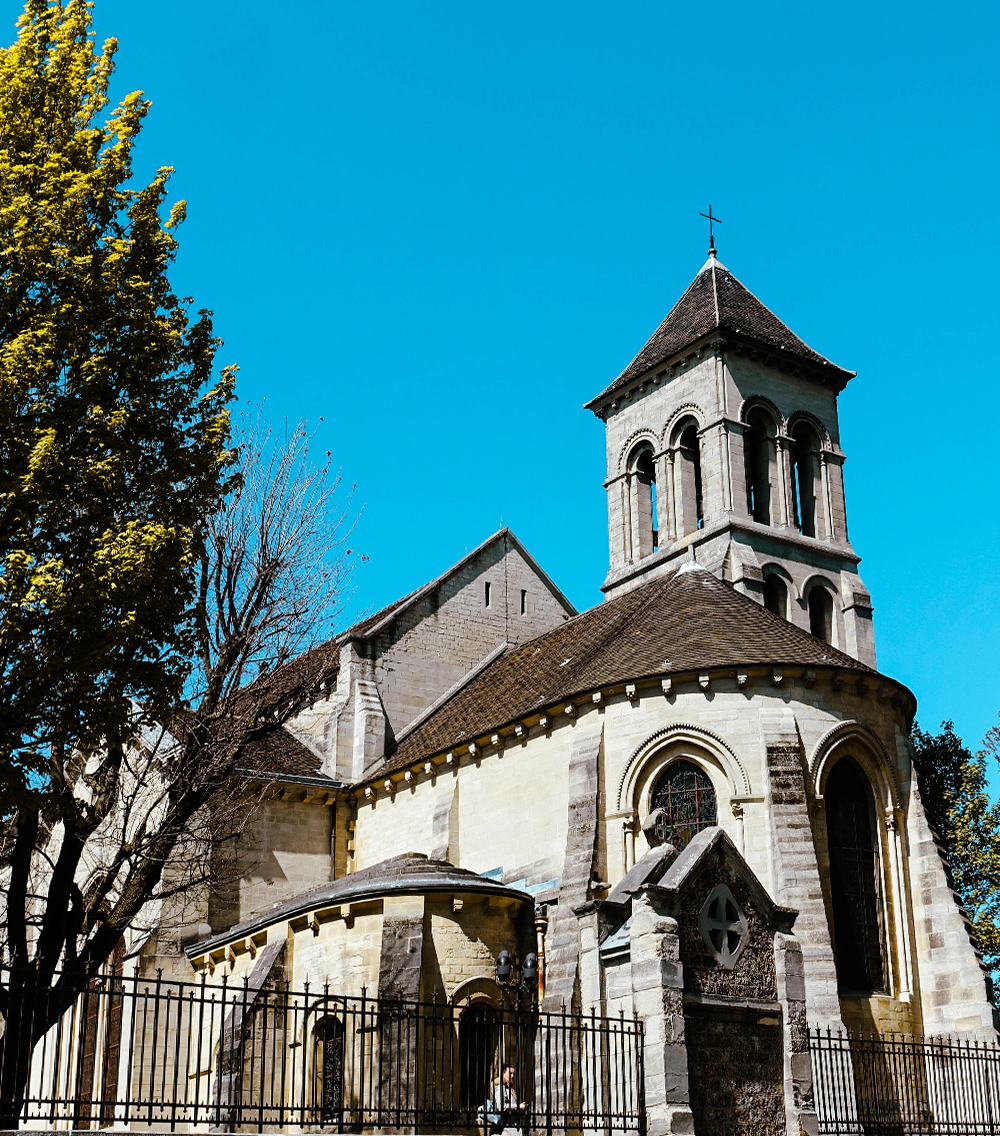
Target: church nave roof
[{"x": 687, "y": 621}]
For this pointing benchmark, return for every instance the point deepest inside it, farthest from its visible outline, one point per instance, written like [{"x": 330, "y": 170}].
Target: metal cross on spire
[{"x": 711, "y": 231}]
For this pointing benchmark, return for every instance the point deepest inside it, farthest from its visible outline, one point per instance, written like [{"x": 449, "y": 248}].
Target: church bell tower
[{"x": 723, "y": 443}]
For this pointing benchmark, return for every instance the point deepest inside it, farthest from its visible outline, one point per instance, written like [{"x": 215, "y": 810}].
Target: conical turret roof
[{"x": 716, "y": 302}]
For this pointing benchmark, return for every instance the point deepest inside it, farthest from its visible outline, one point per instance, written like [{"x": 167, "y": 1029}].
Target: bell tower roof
[{"x": 716, "y": 302}]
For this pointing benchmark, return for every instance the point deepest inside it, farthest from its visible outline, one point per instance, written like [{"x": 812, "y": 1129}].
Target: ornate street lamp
[{"x": 512, "y": 975}]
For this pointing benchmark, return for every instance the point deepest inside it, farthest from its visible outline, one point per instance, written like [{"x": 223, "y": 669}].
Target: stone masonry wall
[
  {"x": 436, "y": 642},
  {"x": 286, "y": 849},
  {"x": 344, "y": 952},
  {"x": 953, "y": 991},
  {"x": 463, "y": 938},
  {"x": 793, "y": 856},
  {"x": 562, "y": 941},
  {"x": 511, "y": 811}
]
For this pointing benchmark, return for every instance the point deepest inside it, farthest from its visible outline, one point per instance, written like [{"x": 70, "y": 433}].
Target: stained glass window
[{"x": 687, "y": 799}]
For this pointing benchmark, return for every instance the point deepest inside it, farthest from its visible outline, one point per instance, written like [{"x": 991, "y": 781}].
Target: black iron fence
[
  {"x": 226, "y": 1055},
  {"x": 893, "y": 1085}
]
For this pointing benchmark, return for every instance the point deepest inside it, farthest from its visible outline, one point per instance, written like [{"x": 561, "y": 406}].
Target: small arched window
[
  {"x": 805, "y": 480},
  {"x": 328, "y": 1067},
  {"x": 776, "y": 595},
  {"x": 855, "y": 881},
  {"x": 760, "y": 451},
  {"x": 821, "y": 613},
  {"x": 644, "y": 500},
  {"x": 687, "y": 466},
  {"x": 686, "y": 800}
]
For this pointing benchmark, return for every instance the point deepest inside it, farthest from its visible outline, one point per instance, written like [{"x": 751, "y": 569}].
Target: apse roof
[
  {"x": 686, "y": 621},
  {"x": 715, "y": 301},
  {"x": 412, "y": 873}
]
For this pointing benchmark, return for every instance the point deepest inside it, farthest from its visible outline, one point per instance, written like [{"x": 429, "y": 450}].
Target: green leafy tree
[
  {"x": 113, "y": 434},
  {"x": 955, "y": 795},
  {"x": 113, "y": 452}
]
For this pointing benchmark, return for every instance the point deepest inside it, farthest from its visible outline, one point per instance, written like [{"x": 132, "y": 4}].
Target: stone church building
[{"x": 695, "y": 802}]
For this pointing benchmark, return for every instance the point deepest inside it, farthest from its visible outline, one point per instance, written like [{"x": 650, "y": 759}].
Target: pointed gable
[{"x": 716, "y": 302}]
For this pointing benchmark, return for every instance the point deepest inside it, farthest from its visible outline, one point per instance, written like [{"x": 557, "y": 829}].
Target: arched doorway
[{"x": 478, "y": 1053}]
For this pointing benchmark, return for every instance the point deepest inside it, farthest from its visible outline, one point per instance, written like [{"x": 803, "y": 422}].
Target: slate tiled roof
[
  {"x": 279, "y": 753},
  {"x": 412, "y": 873},
  {"x": 716, "y": 301},
  {"x": 687, "y": 621}
]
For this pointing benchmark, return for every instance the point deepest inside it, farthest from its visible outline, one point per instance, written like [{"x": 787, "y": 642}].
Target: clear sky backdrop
[{"x": 442, "y": 227}]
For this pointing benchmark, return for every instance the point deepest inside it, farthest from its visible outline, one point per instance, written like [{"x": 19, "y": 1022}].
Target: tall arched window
[
  {"x": 805, "y": 481},
  {"x": 855, "y": 882},
  {"x": 687, "y": 478},
  {"x": 686, "y": 799},
  {"x": 478, "y": 1053},
  {"x": 760, "y": 452},
  {"x": 646, "y": 533},
  {"x": 821, "y": 613},
  {"x": 776, "y": 595}
]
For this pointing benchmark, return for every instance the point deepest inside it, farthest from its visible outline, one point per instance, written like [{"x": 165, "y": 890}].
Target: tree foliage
[
  {"x": 955, "y": 795},
  {"x": 153, "y": 579},
  {"x": 113, "y": 426}
]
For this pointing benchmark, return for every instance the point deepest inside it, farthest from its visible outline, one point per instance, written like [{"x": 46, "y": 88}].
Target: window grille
[{"x": 687, "y": 800}]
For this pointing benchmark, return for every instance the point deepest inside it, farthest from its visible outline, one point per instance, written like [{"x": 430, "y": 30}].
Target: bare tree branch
[{"x": 126, "y": 825}]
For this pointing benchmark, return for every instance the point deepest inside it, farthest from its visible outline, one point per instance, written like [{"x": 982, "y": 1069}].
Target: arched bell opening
[
  {"x": 689, "y": 507},
  {"x": 820, "y": 605},
  {"x": 642, "y": 477},
  {"x": 760, "y": 450},
  {"x": 776, "y": 594},
  {"x": 806, "y": 479}
]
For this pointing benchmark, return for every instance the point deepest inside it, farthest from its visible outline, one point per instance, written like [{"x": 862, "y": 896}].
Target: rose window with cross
[{"x": 724, "y": 926}]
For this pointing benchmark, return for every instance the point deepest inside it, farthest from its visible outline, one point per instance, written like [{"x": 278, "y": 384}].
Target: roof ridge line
[
  {"x": 715, "y": 294},
  {"x": 825, "y": 359},
  {"x": 450, "y": 693}
]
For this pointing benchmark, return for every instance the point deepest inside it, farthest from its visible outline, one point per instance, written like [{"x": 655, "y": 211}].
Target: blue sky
[{"x": 443, "y": 227}]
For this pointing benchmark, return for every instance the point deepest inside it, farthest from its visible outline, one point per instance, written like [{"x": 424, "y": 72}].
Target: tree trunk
[{"x": 16, "y": 1047}]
